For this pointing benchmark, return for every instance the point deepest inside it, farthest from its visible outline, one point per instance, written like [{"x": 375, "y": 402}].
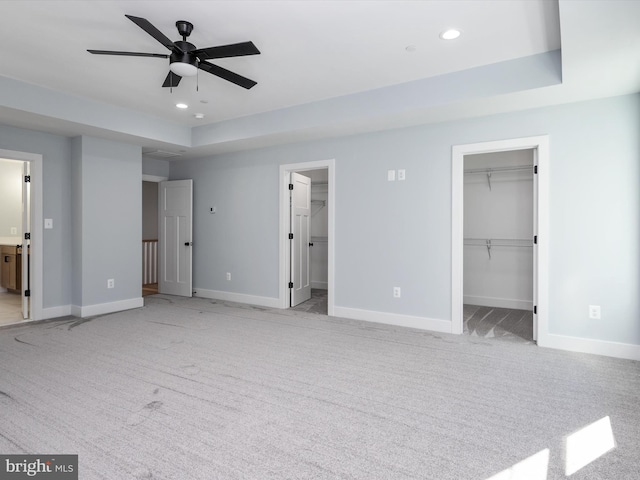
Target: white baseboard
[
  {"x": 55, "y": 312},
  {"x": 3, "y": 290},
  {"x": 237, "y": 297},
  {"x": 498, "y": 302},
  {"x": 423, "y": 323},
  {"x": 320, "y": 285},
  {"x": 588, "y": 345},
  {"x": 102, "y": 308}
]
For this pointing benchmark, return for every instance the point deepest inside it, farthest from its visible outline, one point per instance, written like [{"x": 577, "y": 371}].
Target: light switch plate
[
  {"x": 391, "y": 175},
  {"x": 48, "y": 223}
]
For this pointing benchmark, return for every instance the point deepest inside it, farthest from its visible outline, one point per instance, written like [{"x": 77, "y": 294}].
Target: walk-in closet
[{"x": 498, "y": 245}]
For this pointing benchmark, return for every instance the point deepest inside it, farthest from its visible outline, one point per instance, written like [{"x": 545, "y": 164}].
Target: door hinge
[
  {"x": 535, "y": 169},
  {"x": 291, "y": 186},
  {"x": 290, "y": 284},
  {"x": 27, "y": 179},
  {"x": 535, "y": 239},
  {"x": 535, "y": 309},
  {"x": 27, "y": 236},
  {"x": 291, "y": 236},
  {"x": 27, "y": 293}
]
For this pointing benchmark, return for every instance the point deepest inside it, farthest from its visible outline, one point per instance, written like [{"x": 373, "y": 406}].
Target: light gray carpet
[
  {"x": 499, "y": 323},
  {"x": 197, "y": 389}
]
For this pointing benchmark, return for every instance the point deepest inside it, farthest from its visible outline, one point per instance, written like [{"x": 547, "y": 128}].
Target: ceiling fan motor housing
[{"x": 183, "y": 54}]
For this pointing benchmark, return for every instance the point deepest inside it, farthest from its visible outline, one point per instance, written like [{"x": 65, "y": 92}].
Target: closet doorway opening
[
  {"x": 306, "y": 236},
  {"x": 499, "y": 239},
  {"x": 499, "y": 245}
]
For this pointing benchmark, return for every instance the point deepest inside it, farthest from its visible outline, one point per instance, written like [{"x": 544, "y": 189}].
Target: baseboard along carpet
[{"x": 195, "y": 389}]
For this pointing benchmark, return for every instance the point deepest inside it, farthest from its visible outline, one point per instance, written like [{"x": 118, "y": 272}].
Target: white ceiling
[{"x": 311, "y": 51}]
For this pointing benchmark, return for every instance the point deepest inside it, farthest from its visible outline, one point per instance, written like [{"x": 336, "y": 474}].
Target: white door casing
[
  {"x": 26, "y": 243},
  {"x": 175, "y": 211},
  {"x": 301, "y": 230},
  {"x": 535, "y": 244},
  {"x": 540, "y": 145}
]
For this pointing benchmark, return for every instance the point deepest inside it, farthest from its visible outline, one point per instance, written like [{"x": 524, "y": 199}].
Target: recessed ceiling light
[
  {"x": 199, "y": 115},
  {"x": 182, "y": 105},
  {"x": 450, "y": 34},
  {"x": 204, "y": 101}
]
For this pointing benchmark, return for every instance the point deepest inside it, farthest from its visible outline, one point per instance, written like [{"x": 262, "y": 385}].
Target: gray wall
[
  {"x": 56, "y": 165},
  {"x": 399, "y": 233},
  {"x": 108, "y": 210}
]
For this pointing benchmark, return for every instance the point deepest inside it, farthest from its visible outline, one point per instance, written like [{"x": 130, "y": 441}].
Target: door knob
[{"x": 188, "y": 244}]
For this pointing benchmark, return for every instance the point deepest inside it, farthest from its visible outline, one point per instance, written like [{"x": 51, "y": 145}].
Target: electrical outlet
[
  {"x": 396, "y": 292},
  {"x": 402, "y": 174},
  {"x": 111, "y": 283},
  {"x": 228, "y": 276},
  {"x": 14, "y": 230},
  {"x": 594, "y": 312}
]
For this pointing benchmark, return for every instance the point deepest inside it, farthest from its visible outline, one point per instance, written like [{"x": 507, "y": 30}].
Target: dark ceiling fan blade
[
  {"x": 223, "y": 51},
  {"x": 146, "y": 25},
  {"x": 227, "y": 75},
  {"x": 172, "y": 80},
  {"x": 128, "y": 54}
]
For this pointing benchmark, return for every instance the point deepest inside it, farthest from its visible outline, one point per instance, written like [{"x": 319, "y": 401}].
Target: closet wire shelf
[
  {"x": 490, "y": 170},
  {"x": 489, "y": 243}
]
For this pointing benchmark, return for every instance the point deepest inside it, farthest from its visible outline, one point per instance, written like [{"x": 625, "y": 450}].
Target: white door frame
[
  {"x": 35, "y": 161},
  {"x": 285, "y": 259},
  {"x": 540, "y": 145}
]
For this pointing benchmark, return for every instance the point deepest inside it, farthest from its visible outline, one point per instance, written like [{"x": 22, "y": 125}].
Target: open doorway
[
  {"x": 539, "y": 148},
  {"x": 498, "y": 245},
  {"x": 21, "y": 237},
  {"x": 307, "y": 238},
  {"x": 149, "y": 238},
  {"x": 314, "y": 249}
]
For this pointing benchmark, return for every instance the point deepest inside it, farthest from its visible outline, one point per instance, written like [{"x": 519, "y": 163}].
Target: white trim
[
  {"x": 410, "y": 321},
  {"x": 320, "y": 285},
  {"x": 284, "y": 259},
  {"x": 237, "y": 297},
  {"x": 153, "y": 178},
  {"x": 102, "y": 308},
  {"x": 541, "y": 144},
  {"x": 595, "y": 347},
  {"x": 498, "y": 302},
  {"x": 55, "y": 312},
  {"x": 37, "y": 238}
]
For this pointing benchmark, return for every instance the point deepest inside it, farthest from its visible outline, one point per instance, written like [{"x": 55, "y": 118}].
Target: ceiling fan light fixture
[{"x": 183, "y": 69}]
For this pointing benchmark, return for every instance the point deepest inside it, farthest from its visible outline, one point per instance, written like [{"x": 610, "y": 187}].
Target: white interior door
[
  {"x": 175, "y": 212},
  {"x": 26, "y": 242},
  {"x": 300, "y": 228}
]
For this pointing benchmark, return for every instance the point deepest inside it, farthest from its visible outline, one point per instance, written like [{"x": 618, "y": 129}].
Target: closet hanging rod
[
  {"x": 499, "y": 242},
  {"x": 489, "y": 243},
  {"x": 499, "y": 169}
]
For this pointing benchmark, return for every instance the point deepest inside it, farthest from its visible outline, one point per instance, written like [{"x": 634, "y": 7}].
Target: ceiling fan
[{"x": 185, "y": 59}]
